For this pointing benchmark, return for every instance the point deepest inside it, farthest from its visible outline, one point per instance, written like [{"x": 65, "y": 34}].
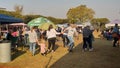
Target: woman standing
[{"x": 51, "y": 36}]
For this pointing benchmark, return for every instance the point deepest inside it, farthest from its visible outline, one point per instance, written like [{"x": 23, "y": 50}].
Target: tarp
[{"x": 5, "y": 19}]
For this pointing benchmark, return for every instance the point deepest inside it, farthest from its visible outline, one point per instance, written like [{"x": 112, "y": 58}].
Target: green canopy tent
[
  {"x": 45, "y": 26},
  {"x": 38, "y": 21}
]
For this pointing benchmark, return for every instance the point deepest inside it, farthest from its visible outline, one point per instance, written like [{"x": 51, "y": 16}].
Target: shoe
[
  {"x": 73, "y": 47},
  {"x": 48, "y": 51},
  {"x": 91, "y": 49},
  {"x": 43, "y": 54},
  {"x": 114, "y": 46},
  {"x": 85, "y": 49},
  {"x": 52, "y": 51},
  {"x": 70, "y": 50}
]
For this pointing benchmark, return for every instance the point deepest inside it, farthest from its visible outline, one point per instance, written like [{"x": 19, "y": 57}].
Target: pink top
[
  {"x": 42, "y": 46},
  {"x": 15, "y": 34}
]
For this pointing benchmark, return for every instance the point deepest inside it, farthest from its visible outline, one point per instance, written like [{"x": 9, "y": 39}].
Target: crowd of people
[
  {"x": 34, "y": 36},
  {"x": 112, "y": 33}
]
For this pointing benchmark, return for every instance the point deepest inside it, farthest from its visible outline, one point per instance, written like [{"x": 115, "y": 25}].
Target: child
[{"x": 42, "y": 44}]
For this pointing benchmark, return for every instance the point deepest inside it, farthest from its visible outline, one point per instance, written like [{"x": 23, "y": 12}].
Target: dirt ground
[{"x": 103, "y": 56}]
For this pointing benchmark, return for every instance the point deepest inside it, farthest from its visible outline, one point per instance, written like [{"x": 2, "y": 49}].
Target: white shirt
[
  {"x": 71, "y": 31},
  {"x": 32, "y": 36},
  {"x": 51, "y": 34}
]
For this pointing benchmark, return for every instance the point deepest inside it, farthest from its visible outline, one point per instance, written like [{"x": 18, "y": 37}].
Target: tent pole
[
  {"x": 0, "y": 31},
  {"x": 7, "y": 27}
]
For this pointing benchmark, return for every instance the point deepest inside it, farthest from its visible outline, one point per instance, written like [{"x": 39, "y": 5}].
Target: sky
[{"x": 58, "y": 8}]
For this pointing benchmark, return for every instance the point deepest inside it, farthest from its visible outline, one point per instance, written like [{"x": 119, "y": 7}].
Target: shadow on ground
[
  {"x": 17, "y": 54},
  {"x": 103, "y": 56}
]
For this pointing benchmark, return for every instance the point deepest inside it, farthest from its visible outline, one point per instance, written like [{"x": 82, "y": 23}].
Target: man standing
[
  {"x": 71, "y": 31},
  {"x": 87, "y": 33},
  {"x": 32, "y": 40},
  {"x": 116, "y": 33}
]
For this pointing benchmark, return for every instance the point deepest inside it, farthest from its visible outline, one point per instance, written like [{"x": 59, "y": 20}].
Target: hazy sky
[{"x": 58, "y": 8}]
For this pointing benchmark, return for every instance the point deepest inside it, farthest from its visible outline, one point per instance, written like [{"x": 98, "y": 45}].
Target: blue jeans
[
  {"x": 26, "y": 39},
  {"x": 32, "y": 47},
  {"x": 71, "y": 42},
  {"x": 65, "y": 40}
]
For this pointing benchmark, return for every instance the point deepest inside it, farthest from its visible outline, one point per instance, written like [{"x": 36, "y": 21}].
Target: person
[
  {"x": 25, "y": 30},
  {"x": 21, "y": 37},
  {"x": 92, "y": 30},
  {"x": 42, "y": 45},
  {"x": 115, "y": 33},
  {"x": 9, "y": 36},
  {"x": 32, "y": 40},
  {"x": 70, "y": 34},
  {"x": 14, "y": 39},
  {"x": 51, "y": 36},
  {"x": 15, "y": 32},
  {"x": 38, "y": 33},
  {"x": 87, "y": 35},
  {"x": 64, "y": 37}
]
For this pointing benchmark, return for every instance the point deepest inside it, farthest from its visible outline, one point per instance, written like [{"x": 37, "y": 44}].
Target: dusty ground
[{"x": 103, "y": 56}]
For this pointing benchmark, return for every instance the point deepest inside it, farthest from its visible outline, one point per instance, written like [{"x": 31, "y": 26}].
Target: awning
[
  {"x": 5, "y": 19},
  {"x": 18, "y": 24}
]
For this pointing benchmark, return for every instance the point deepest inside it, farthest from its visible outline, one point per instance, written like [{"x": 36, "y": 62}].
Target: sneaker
[
  {"x": 52, "y": 51},
  {"x": 73, "y": 47},
  {"x": 48, "y": 51},
  {"x": 91, "y": 49},
  {"x": 84, "y": 50},
  {"x": 43, "y": 54},
  {"x": 70, "y": 50},
  {"x": 114, "y": 46}
]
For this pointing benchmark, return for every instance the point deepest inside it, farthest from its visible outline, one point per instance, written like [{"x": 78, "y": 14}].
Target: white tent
[{"x": 112, "y": 23}]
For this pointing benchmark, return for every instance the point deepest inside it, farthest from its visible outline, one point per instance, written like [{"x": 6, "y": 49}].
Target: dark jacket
[{"x": 87, "y": 32}]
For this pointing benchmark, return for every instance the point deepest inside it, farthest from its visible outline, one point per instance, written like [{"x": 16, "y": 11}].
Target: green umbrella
[
  {"x": 45, "y": 26},
  {"x": 38, "y": 21}
]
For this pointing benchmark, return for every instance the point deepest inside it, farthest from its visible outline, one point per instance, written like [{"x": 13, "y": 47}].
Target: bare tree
[{"x": 18, "y": 9}]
